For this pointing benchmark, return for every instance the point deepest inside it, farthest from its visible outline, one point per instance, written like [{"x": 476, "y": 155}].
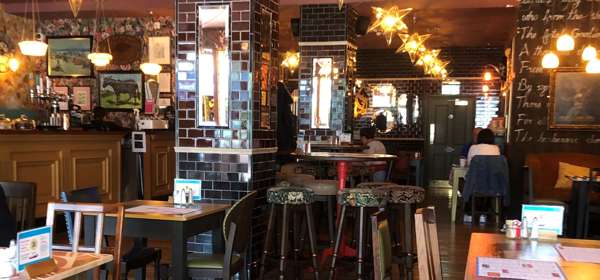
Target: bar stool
[
  {"x": 288, "y": 195},
  {"x": 325, "y": 191},
  {"x": 405, "y": 197},
  {"x": 361, "y": 199}
]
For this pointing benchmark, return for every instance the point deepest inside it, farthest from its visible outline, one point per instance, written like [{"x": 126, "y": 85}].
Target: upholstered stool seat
[
  {"x": 362, "y": 197},
  {"x": 286, "y": 193},
  {"x": 374, "y": 185},
  {"x": 404, "y": 194},
  {"x": 322, "y": 187}
]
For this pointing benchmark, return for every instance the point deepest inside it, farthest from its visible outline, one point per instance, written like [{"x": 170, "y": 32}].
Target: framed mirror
[
  {"x": 213, "y": 58},
  {"x": 322, "y": 84},
  {"x": 384, "y": 120},
  {"x": 265, "y": 68}
]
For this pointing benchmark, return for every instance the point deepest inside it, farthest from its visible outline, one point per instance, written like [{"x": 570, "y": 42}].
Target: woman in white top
[
  {"x": 485, "y": 145},
  {"x": 376, "y": 168}
]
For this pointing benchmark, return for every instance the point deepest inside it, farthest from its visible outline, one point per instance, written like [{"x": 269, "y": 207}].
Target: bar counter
[{"x": 62, "y": 161}]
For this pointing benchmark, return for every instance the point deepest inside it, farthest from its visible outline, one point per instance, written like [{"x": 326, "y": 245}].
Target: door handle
[{"x": 449, "y": 149}]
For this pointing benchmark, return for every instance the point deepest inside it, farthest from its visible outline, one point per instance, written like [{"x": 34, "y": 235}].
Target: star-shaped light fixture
[
  {"x": 413, "y": 44},
  {"x": 427, "y": 58},
  {"x": 389, "y": 22}
]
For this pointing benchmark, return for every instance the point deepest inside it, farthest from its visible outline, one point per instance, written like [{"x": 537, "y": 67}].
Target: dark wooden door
[{"x": 450, "y": 122}]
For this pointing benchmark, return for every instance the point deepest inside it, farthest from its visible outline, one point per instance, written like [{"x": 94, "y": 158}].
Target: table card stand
[{"x": 41, "y": 268}]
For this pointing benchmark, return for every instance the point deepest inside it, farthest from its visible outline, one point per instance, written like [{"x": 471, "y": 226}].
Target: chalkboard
[{"x": 539, "y": 23}]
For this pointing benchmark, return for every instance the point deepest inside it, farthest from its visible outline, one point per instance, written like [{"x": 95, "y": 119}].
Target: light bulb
[
  {"x": 389, "y": 22},
  {"x": 487, "y": 76},
  {"x": 100, "y": 59},
  {"x": 550, "y": 60},
  {"x": 151, "y": 68},
  {"x": 412, "y": 46},
  {"x": 588, "y": 53},
  {"x": 593, "y": 66},
  {"x": 485, "y": 88},
  {"x": 565, "y": 43},
  {"x": 13, "y": 64}
]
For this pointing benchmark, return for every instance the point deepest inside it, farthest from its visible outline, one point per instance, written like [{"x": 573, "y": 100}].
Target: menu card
[
  {"x": 579, "y": 254},
  {"x": 34, "y": 246},
  {"x": 518, "y": 269}
]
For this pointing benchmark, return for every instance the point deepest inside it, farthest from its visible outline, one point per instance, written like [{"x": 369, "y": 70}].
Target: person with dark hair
[
  {"x": 286, "y": 122},
  {"x": 8, "y": 226},
  {"x": 485, "y": 145},
  {"x": 377, "y": 168}
]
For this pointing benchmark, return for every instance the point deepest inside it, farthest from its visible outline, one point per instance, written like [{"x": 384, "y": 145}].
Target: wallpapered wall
[
  {"x": 14, "y": 96},
  {"x": 139, "y": 27}
]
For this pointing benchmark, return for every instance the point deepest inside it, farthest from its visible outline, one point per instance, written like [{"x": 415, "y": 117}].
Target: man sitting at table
[{"x": 376, "y": 168}]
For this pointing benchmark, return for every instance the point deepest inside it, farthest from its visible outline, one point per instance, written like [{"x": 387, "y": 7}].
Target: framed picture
[
  {"x": 82, "y": 97},
  {"x": 574, "y": 100},
  {"x": 64, "y": 91},
  {"x": 121, "y": 90},
  {"x": 67, "y": 56},
  {"x": 159, "y": 50}
]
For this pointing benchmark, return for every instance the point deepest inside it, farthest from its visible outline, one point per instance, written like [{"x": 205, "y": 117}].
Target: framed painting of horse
[{"x": 120, "y": 90}]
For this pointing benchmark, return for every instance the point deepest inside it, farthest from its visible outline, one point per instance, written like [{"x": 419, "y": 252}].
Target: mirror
[
  {"x": 384, "y": 120},
  {"x": 321, "y": 92},
  {"x": 213, "y": 66},
  {"x": 265, "y": 69}
]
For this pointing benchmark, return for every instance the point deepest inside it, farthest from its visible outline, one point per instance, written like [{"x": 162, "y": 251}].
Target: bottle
[
  {"x": 524, "y": 231},
  {"x": 66, "y": 124},
  {"x": 535, "y": 230}
]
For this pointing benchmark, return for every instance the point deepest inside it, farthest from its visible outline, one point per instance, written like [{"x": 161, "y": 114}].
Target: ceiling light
[
  {"x": 151, "y": 68},
  {"x": 565, "y": 43},
  {"x": 593, "y": 66},
  {"x": 75, "y": 6},
  {"x": 487, "y": 76},
  {"x": 485, "y": 88},
  {"x": 550, "y": 60},
  {"x": 33, "y": 48},
  {"x": 588, "y": 53},
  {"x": 13, "y": 64},
  {"x": 413, "y": 44},
  {"x": 389, "y": 22},
  {"x": 100, "y": 59},
  {"x": 291, "y": 60}
]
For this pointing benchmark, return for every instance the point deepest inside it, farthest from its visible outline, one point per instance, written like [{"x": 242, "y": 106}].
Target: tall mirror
[
  {"x": 213, "y": 66},
  {"x": 322, "y": 84}
]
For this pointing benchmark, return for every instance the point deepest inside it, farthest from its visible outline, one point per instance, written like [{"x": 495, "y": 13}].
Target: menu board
[{"x": 34, "y": 246}]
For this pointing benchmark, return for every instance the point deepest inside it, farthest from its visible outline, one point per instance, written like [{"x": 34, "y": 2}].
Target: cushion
[
  {"x": 404, "y": 194},
  {"x": 323, "y": 187},
  {"x": 285, "y": 193},
  {"x": 210, "y": 261},
  {"x": 373, "y": 185},
  {"x": 566, "y": 170},
  {"x": 362, "y": 197}
]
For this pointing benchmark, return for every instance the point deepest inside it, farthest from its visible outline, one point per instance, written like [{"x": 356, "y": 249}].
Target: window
[
  {"x": 450, "y": 88},
  {"x": 486, "y": 108}
]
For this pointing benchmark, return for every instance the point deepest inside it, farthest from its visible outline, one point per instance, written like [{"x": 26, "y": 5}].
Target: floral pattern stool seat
[
  {"x": 289, "y": 195},
  {"x": 404, "y": 194},
  {"x": 362, "y": 199}
]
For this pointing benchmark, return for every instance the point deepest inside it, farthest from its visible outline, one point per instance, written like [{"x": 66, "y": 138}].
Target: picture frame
[
  {"x": 159, "y": 49},
  {"x": 62, "y": 90},
  {"x": 67, "y": 56},
  {"x": 82, "y": 97},
  {"x": 113, "y": 85},
  {"x": 573, "y": 100},
  {"x": 164, "y": 82}
]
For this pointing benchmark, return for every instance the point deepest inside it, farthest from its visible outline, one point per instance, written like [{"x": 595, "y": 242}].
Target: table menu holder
[
  {"x": 547, "y": 235},
  {"x": 41, "y": 268}
]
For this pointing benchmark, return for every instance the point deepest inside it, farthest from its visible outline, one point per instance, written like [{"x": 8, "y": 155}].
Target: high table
[
  {"x": 338, "y": 148},
  {"x": 457, "y": 173},
  {"x": 174, "y": 227},
  {"x": 497, "y": 245}
]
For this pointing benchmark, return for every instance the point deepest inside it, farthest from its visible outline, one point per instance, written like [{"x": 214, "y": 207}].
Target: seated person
[
  {"x": 465, "y": 149},
  {"x": 376, "y": 168},
  {"x": 485, "y": 145}
]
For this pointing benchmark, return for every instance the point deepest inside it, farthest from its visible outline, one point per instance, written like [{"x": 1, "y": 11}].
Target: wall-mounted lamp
[
  {"x": 151, "y": 68},
  {"x": 8, "y": 63},
  {"x": 291, "y": 60}
]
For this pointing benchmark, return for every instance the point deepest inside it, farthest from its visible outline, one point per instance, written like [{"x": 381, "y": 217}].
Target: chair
[
  {"x": 20, "y": 198},
  {"x": 236, "y": 230},
  {"x": 428, "y": 250},
  {"x": 137, "y": 258},
  {"x": 99, "y": 210},
  {"x": 8, "y": 227},
  {"x": 487, "y": 177},
  {"x": 382, "y": 246}
]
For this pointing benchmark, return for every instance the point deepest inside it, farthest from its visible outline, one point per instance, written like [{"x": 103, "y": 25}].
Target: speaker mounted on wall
[{"x": 295, "y": 23}]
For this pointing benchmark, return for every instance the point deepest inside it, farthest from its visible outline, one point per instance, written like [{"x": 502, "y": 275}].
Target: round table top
[
  {"x": 339, "y": 147},
  {"x": 326, "y": 156}
]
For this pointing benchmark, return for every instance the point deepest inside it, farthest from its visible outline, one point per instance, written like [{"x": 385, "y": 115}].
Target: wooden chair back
[
  {"x": 20, "y": 198},
  {"x": 82, "y": 195},
  {"x": 100, "y": 211},
  {"x": 239, "y": 214},
  {"x": 382, "y": 246},
  {"x": 428, "y": 250}
]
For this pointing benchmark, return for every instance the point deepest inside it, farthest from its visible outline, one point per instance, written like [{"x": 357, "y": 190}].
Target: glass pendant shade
[
  {"x": 33, "y": 48},
  {"x": 565, "y": 43},
  {"x": 151, "y": 68},
  {"x": 100, "y": 59},
  {"x": 593, "y": 66},
  {"x": 588, "y": 53},
  {"x": 75, "y": 6},
  {"x": 550, "y": 60}
]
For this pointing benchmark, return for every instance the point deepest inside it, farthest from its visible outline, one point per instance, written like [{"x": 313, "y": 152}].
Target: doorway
[{"x": 450, "y": 122}]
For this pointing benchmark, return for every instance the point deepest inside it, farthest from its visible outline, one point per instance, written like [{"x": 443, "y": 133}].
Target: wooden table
[
  {"x": 176, "y": 228},
  {"x": 338, "y": 148},
  {"x": 457, "y": 173},
  {"x": 69, "y": 264},
  {"x": 497, "y": 245}
]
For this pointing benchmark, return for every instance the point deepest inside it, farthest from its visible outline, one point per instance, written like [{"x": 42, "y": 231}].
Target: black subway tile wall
[{"x": 228, "y": 175}]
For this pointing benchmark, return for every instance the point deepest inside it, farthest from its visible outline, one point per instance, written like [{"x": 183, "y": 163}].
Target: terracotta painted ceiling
[{"x": 451, "y": 22}]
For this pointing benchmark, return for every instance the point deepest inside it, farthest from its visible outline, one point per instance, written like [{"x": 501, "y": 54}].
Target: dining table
[
  {"x": 162, "y": 220},
  {"x": 499, "y": 246},
  {"x": 69, "y": 264},
  {"x": 338, "y": 148}
]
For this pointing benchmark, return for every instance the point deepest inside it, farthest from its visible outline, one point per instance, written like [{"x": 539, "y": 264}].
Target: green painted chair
[
  {"x": 382, "y": 246},
  {"x": 236, "y": 230}
]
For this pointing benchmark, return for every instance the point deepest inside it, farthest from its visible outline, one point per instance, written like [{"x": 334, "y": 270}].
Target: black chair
[
  {"x": 137, "y": 258},
  {"x": 487, "y": 179},
  {"x": 8, "y": 227},
  {"x": 20, "y": 198},
  {"x": 236, "y": 230}
]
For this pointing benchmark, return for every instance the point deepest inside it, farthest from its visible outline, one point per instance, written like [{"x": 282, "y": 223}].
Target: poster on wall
[
  {"x": 82, "y": 98},
  {"x": 67, "y": 56},
  {"x": 164, "y": 82},
  {"x": 64, "y": 91},
  {"x": 159, "y": 50},
  {"x": 574, "y": 99},
  {"x": 120, "y": 90}
]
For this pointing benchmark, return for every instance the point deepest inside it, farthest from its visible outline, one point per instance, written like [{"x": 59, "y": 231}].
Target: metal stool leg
[
  {"x": 268, "y": 237},
  {"x": 284, "y": 237},
  {"x": 331, "y": 218},
  {"x": 408, "y": 239},
  {"x": 361, "y": 240},
  {"x": 338, "y": 239},
  {"x": 313, "y": 242}
]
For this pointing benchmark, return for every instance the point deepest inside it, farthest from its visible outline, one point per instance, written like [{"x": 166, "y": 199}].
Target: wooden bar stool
[
  {"x": 404, "y": 197},
  {"x": 288, "y": 195},
  {"x": 361, "y": 199}
]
